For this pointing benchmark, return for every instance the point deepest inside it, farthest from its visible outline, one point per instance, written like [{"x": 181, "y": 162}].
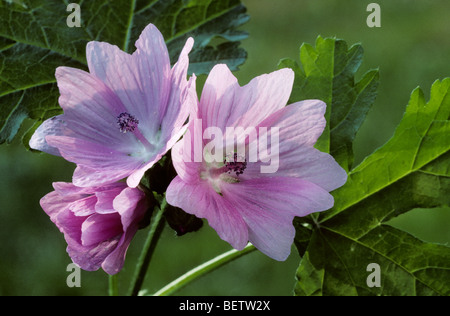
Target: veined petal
[
  {"x": 263, "y": 96},
  {"x": 131, "y": 205},
  {"x": 124, "y": 115},
  {"x": 66, "y": 189},
  {"x": 183, "y": 158},
  {"x": 85, "y": 152},
  {"x": 119, "y": 71},
  {"x": 182, "y": 95},
  {"x": 202, "y": 201},
  {"x": 295, "y": 196},
  {"x": 153, "y": 67},
  {"x": 90, "y": 258},
  {"x": 91, "y": 110},
  {"x": 53, "y": 204},
  {"x": 84, "y": 176},
  {"x": 314, "y": 166},
  {"x": 302, "y": 122},
  {"x": 141, "y": 80},
  {"x": 183, "y": 98},
  {"x": 268, "y": 206},
  {"x": 105, "y": 198},
  {"x": 53, "y": 126},
  {"x": 217, "y": 100},
  {"x": 69, "y": 224},
  {"x": 83, "y": 207},
  {"x": 115, "y": 260},
  {"x": 225, "y": 104},
  {"x": 81, "y": 92},
  {"x": 100, "y": 227}
]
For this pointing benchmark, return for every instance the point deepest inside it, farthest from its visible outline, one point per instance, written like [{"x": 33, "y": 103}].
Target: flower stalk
[
  {"x": 113, "y": 289},
  {"x": 157, "y": 226},
  {"x": 203, "y": 269}
]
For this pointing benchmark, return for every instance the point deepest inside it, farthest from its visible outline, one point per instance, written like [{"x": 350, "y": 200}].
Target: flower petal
[
  {"x": 301, "y": 123},
  {"x": 99, "y": 159},
  {"x": 314, "y": 166},
  {"x": 84, "y": 93},
  {"x": 153, "y": 66},
  {"x": 66, "y": 189},
  {"x": 115, "y": 260},
  {"x": 182, "y": 96},
  {"x": 202, "y": 201},
  {"x": 132, "y": 207},
  {"x": 53, "y": 204},
  {"x": 224, "y": 103},
  {"x": 53, "y": 126},
  {"x": 262, "y": 96},
  {"x": 156, "y": 95},
  {"x": 91, "y": 110},
  {"x": 183, "y": 155},
  {"x": 141, "y": 80},
  {"x": 100, "y": 227},
  {"x": 86, "y": 177},
  {"x": 83, "y": 207},
  {"x": 119, "y": 71},
  {"x": 302, "y": 162},
  {"x": 268, "y": 206},
  {"x": 106, "y": 197},
  {"x": 90, "y": 258},
  {"x": 217, "y": 99}
]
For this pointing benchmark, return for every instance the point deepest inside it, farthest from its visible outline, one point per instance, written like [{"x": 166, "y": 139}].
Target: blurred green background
[{"x": 411, "y": 48}]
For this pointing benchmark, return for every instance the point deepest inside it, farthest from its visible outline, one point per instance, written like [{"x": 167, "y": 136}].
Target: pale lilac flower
[
  {"x": 98, "y": 223},
  {"x": 123, "y": 115},
  {"x": 241, "y": 202}
]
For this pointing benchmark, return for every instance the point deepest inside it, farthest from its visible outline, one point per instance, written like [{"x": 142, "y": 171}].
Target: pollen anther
[
  {"x": 127, "y": 122},
  {"x": 235, "y": 164}
]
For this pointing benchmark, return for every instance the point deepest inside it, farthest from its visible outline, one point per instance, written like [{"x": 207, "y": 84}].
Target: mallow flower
[
  {"x": 248, "y": 164},
  {"x": 98, "y": 223},
  {"x": 123, "y": 115}
]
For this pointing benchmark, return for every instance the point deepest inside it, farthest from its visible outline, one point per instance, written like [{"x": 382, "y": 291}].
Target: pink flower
[
  {"x": 98, "y": 223},
  {"x": 246, "y": 199},
  {"x": 123, "y": 115}
]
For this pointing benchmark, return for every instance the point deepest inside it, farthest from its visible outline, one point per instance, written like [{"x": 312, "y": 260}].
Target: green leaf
[
  {"x": 336, "y": 264},
  {"x": 328, "y": 74},
  {"x": 35, "y": 39},
  {"x": 419, "y": 146},
  {"x": 412, "y": 170}
]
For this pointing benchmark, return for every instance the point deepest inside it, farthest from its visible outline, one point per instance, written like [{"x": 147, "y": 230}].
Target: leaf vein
[
  {"x": 357, "y": 241},
  {"x": 203, "y": 22}
]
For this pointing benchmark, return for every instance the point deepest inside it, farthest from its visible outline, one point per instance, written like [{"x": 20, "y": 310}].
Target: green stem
[
  {"x": 203, "y": 269},
  {"x": 156, "y": 229},
  {"x": 113, "y": 285}
]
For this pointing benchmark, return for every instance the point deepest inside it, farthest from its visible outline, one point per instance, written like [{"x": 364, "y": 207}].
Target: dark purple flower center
[
  {"x": 235, "y": 163},
  {"x": 127, "y": 122}
]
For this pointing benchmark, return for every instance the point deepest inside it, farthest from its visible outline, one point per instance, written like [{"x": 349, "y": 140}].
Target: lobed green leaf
[
  {"x": 328, "y": 74},
  {"x": 411, "y": 170}
]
